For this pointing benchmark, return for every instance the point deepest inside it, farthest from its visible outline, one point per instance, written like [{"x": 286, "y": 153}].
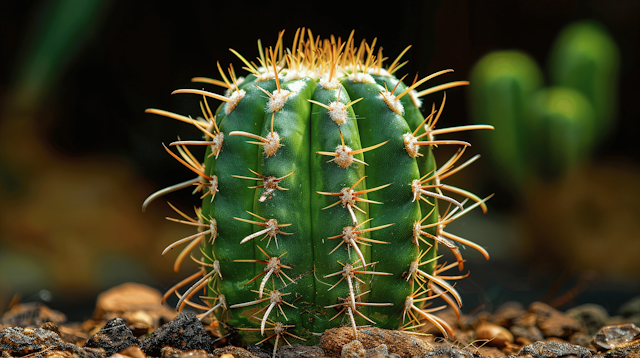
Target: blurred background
[{"x": 78, "y": 155}]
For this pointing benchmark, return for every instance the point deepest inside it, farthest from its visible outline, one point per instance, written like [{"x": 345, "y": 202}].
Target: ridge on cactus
[{"x": 322, "y": 204}]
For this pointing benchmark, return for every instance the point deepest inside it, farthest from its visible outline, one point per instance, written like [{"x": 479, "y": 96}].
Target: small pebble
[
  {"x": 591, "y": 316},
  {"x": 128, "y": 300},
  {"x": 531, "y": 333},
  {"x": 380, "y": 351},
  {"x": 22, "y": 341},
  {"x": 553, "y": 350},
  {"x": 353, "y": 349},
  {"x": 31, "y": 314},
  {"x": 114, "y": 337},
  {"x": 401, "y": 343},
  {"x": 300, "y": 351},
  {"x": 185, "y": 333},
  {"x": 497, "y": 336},
  {"x": 612, "y": 336},
  {"x": 507, "y": 312},
  {"x": 552, "y": 322}
]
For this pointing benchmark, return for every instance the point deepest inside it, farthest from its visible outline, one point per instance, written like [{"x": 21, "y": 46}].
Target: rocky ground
[{"x": 130, "y": 322}]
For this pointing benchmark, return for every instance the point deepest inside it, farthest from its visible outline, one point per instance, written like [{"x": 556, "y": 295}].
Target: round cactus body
[{"x": 322, "y": 202}]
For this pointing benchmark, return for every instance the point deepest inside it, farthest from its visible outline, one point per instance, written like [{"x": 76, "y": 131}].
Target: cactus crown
[{"x": 320, "y": 195}]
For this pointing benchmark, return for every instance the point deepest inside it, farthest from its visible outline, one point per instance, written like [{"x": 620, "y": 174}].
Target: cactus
[
  {"x": 585, "y": 58},
  {"x": 504, "y": 82},
  {"x": 321, "y": 201},
  {"x": 545, "y": 132},
  {"x": 563, "y": 124}
]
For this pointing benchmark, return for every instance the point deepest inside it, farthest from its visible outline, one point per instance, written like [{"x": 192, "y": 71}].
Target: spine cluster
[{"x": 322, "y": 204}]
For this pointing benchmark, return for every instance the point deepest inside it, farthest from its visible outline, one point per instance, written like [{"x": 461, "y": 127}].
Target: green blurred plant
[
  {"x": 542, "y": 133},
  {"x": 57, "y": 33}
]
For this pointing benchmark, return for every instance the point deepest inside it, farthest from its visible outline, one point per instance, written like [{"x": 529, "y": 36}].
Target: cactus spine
[{"x": 320, "y": 195}]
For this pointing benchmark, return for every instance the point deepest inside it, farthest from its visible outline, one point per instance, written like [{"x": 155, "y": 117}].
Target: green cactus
[
  {"x": 563, "y": 125},
  {"x": 585, "y": 58},
  {"x": 320, "y": 195},
  {"x": 545, "y": 132},
  {"x": 503, "y": 83}
]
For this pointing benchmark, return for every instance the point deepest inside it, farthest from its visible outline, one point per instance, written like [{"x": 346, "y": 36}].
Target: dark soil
[{"x": 130, "y": 322}]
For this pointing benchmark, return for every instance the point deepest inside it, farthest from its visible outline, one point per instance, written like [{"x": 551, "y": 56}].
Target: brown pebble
[
  {"x": 554, "y": 350},
  {"x": 171, "y": 352},
  {"x": 31, "y": 314},
  {"x": 128, "y": 300},
  {"x": 233, "y": 351},
  {"x": 22, "y": 341},
  {"x": 552, "y": 322},
  {"x": 50, "y": 326},
  {"x": 353, "y": 349},
  {"x": 497, "y": 336},
  {"x": 398, "y": 342},
  {"x": 506, "y": 313},
  {"x": 626, "y": 350}
]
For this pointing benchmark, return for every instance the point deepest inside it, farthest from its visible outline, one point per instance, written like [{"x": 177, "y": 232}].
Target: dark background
[{"x": 78, "y": 155}]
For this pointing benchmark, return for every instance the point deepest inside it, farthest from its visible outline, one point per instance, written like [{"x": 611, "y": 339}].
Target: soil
[{"x": 130, "y": 322}]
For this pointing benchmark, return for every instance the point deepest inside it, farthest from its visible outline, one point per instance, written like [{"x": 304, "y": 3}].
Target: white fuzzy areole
[
  {"x": 359, "y": 77},
  {"x": 408, "y": 303},
  {"x": 296, "y": 86},
  {"x": 272, "y": 225},
  {"x": 415, "y": 99},
  {"x": 410, "y": 144},
  {"x": 265, "y": 77},
  {"x": 271, "y": 147},
  {"x": 393, "y": 103},
  {"x": 329, "y": 85},
  {"x": 275, "y": 297},
  {"x": 338, "y": 112},
  {"x": 279, "y": 328},
  {"x": 216, "y": 147},
  {"x": 235, "y": 98},
  {"x": 416, "y": 225},
  {"x": 415, "y": 189},
  {"x": 347, "y": 197},
  {"x": 213, "y": 226},
  {"x": 293, "y": 75},
  {"x": 266, "y": 74},
  {"x": 350, "y": 236},
  {"x": 213, "y": 188},
  {"x": 343, "y": 158},
  {"x": 413, "y": 270},
  {"x": 276, "y": 102},
  {"x": 270, "y": 185},
  {"x": 229, "y": 91},
  {"x": 379, "y": 72},
  {"x": 216, "y": 268}
]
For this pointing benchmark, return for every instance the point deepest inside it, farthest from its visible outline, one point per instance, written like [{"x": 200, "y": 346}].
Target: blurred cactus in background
[
  {"x": 562, "y": 127},
  {"x": 543, "y": 133},
  {"x": 544, "y": 146},
  {"x": 503, "y": 83},
  {"x": 586, "y": 59}
]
